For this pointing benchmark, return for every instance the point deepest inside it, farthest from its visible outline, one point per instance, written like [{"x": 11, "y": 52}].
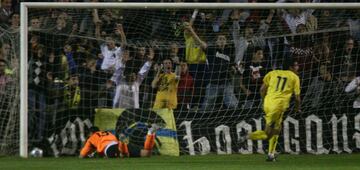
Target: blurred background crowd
[{"x": 82, "y": 59}]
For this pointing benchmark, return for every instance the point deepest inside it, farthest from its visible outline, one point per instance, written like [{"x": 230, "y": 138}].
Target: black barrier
[{"x": 218, "y": 132}]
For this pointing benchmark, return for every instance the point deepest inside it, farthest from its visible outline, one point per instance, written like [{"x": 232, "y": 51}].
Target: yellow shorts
[
  {"x": 274, "y": 112},
  {"x": 162, "y": 104}
]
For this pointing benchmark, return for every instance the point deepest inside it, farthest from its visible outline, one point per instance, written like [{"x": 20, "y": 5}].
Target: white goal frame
[{"x": 24, "y": 34}]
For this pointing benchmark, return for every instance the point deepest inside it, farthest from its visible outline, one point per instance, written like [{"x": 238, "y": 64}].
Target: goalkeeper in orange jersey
[
  {"x": 276, "y": 91},
  {"x": 107, "y": 145}
]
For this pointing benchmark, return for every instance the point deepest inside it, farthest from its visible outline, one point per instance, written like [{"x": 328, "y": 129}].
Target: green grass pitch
[{"x": 208, "y": 162}]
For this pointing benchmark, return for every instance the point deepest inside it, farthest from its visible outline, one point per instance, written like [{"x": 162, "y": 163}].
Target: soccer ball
[{"x": 36, "y": 152}]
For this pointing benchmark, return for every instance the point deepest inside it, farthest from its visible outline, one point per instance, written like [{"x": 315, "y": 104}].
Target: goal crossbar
[
  {"x": 193, "y": 5},
  {"x": 43, "y": 5}
]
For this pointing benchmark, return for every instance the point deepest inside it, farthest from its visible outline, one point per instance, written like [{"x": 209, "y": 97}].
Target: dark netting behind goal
[{"x": 100, "y": 67}]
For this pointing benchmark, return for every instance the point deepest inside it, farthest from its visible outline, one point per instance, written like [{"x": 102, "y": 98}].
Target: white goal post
[{"x": 24, "y": 34}]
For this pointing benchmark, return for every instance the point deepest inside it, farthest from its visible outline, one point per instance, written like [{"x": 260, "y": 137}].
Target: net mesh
[
  {"x": 85, "y": 59},
  {"x": 9, "y": 119}
]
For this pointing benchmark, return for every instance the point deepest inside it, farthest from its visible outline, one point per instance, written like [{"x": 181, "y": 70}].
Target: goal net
[
  {"x": 195, "y": 72},
  {"x": 9, "y": 91}
]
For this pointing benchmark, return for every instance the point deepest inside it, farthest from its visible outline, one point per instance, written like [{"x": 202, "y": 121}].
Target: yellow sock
[
  {"x": 258, "y": 135},
  {"x": 272, "y": 144}
]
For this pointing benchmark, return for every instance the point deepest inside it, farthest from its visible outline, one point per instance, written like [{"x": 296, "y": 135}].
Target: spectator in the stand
[
  {"x": 99, "y": 59},
  {"x": 166, "y": 83},
  {"x": 346, "y": 60},
  {"x": 254, "y": 72},
  {"x": 14, "y": 22},
  {"x": 301, "y": 49},
  {"x": 315, "y": 91},
  {"x": 4, "y": 78},
  {"x": 141, "y": 51},
  {"x": 68, "y": 64},
  {"x": 174, "y": 53},
  {"x": 72, "y": 92},
  {"x": 354, "y": 85},
  {"x": 5, "y": 11},
  {"x": 344, "y": 73},
  {"x": 34, "y": 43},
  {"x": 295, "y": 17},
  {"x": 107, "y": 92},
  {"x": 128, "y": 82},
  {"x": 35, "y": 24},
  {"x": 326, "y": 19},
  {"x": 5, "y": 84},
  {"x": 111, "y": 53},
  {"x": 322, "y": 50},
  {"x": 185, "y": 87},
  {"x": 62, "y": 26},
  {"x": 91, "y": 81},
  {"x": 7, "y": 55},
  {"x": 248, "y": 38},
  {"x": 71, "y": 102},
  {"x": 137, "y": 59},
  {"x": 354, "y": 26},
  {"x": 37, "y": 88},
  {"x": 311, "y": 23},
  {"x": 146, "y": 95},
  {"x": 55, "y": 87},
  {"x": 108, "y": 19},
  {"x": 296, "y": 20},
  {"x": 195, "y": 56},
  {"x": 5, "y": 50},
  {"x": 220, "y": 58}
]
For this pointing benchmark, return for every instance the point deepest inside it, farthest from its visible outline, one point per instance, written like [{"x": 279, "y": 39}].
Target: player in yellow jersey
[
  {"x": 276, "y": 91},
  {"x": 166, "y": 84}
]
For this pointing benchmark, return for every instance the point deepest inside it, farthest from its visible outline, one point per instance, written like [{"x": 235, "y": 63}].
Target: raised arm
[
  {"x": 237, "y": 41},
  {"x": 190, "y": 31},
  {"x": 120, "y": 31},
  {"x": 352, "y": 85},
  {"x": 177, "y": 73},
  {"x": 146, "y": 67},
  {"x": 97, "y": 23},
  {"x": 193, "y": 17},
  {"x": 310, "y": 11},
  {"x": 264, "y": 26},
  {"x": 155, "y": 82}
]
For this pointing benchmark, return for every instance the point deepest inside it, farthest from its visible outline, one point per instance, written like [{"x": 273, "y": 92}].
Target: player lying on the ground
[
  {"x": 107, "y": 145},
  {"x": 276, "y": 91}
]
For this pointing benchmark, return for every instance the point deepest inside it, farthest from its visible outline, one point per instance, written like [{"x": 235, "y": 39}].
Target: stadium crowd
[{"x": 80, "y": 60}]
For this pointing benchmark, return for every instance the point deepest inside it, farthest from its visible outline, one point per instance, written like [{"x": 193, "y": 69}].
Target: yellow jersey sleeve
[{"x": 267, "y": 78}]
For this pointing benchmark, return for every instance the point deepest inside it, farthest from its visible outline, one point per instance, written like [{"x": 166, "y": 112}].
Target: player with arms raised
[{"x": 276, "y": 91}]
